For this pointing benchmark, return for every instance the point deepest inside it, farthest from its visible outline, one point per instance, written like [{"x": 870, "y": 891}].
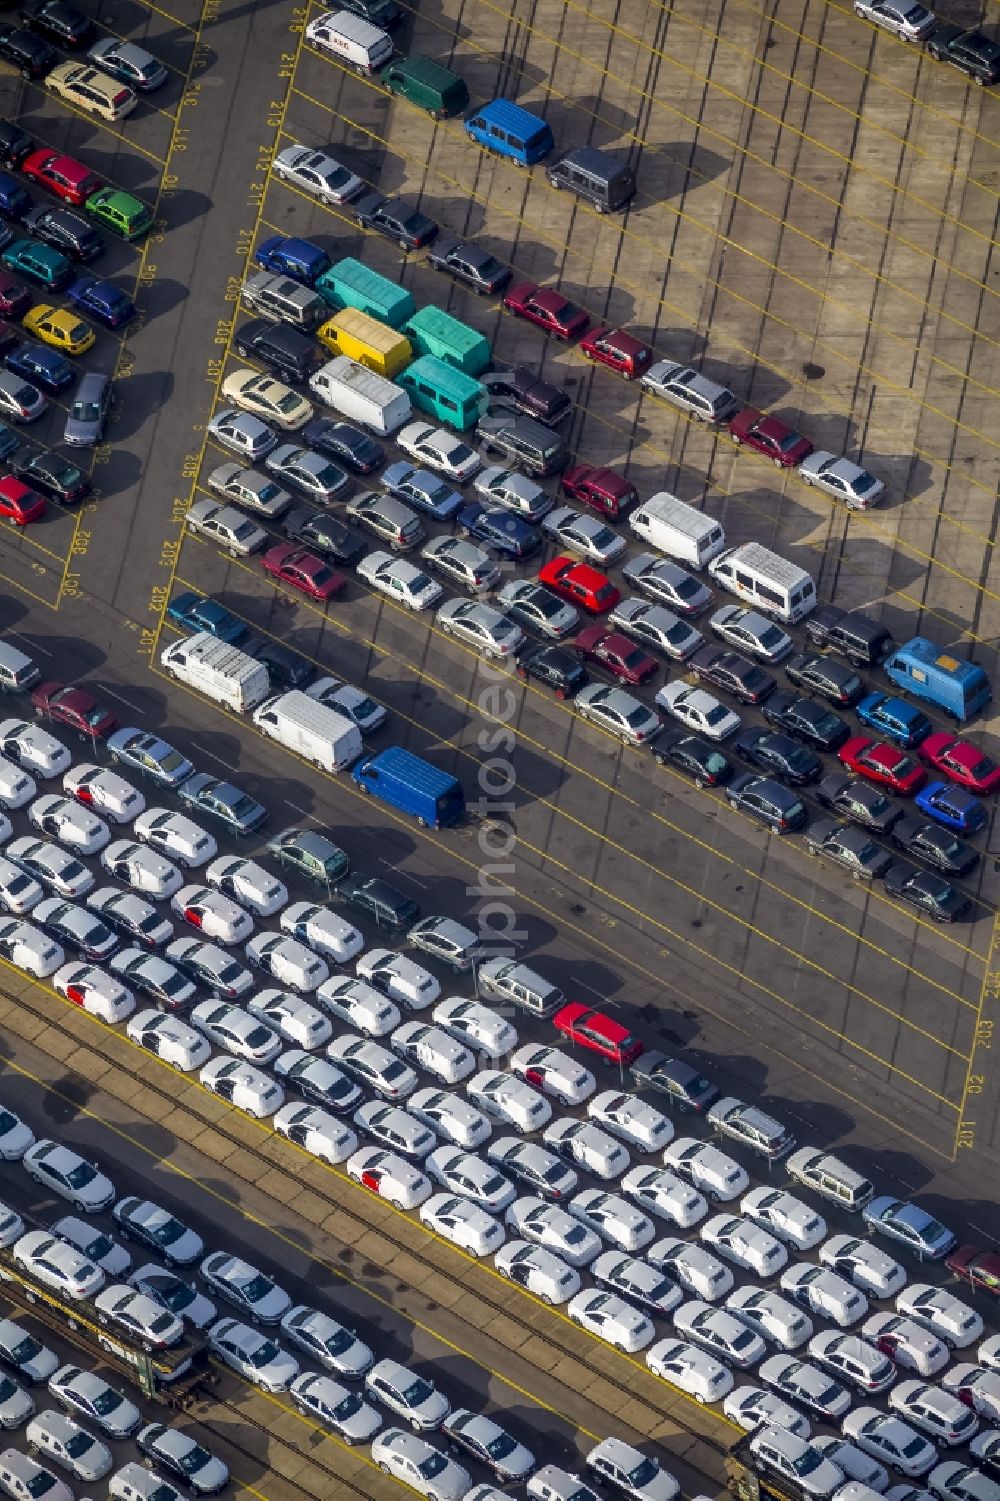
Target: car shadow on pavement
[
  {"x": 140, "y": 399},
  {"x": 183, "y": 206},
  {"x": 72, "y": 656},
  {"x": 161, "y": 297}
]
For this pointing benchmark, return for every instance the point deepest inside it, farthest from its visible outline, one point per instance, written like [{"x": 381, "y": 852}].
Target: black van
[
  {"x": 851, "y": 634},
  {"x": 596, "y": 176}
]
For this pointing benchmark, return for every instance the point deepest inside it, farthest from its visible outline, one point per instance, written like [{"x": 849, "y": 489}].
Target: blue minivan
[
  {"x": 511, "y": 131},
  {"x": 412, "y": 785},
  {"x": 959, "y": 688}
]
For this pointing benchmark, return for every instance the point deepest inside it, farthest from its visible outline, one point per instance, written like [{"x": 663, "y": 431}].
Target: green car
[
  {"x": 120, "y": 212},
  {"x": 38, "y": 263}
]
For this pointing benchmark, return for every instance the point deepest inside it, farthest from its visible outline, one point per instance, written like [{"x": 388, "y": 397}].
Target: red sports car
[
  {"x": 592, "y": 1029},
  {"x": 886, "y": 764},
  {"x": 548, "y": 308},
  {"x": 604, "y": 490},
  {"x": 979, "y": 1268},
  {"x": 961, "y": 762},
  {"x": 19, "y": 502},
  {"x": 74, "y": 707},
  {"x": 303, "y": 570},
  {"x": 620, "y": 351},
  {"x": 15, "y": 300},
  {"x": 774, "y": 439},
  {"x": 580, "y": 584},
  {"x": 616, "y": 654},
  {"x": 69, "y": 179}
]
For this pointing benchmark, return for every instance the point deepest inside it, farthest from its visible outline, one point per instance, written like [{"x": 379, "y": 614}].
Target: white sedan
[
  {"x": 247, "y": 1088},
  {"x": 554, "y": 1072},
  {"x": 393, "y": 1127},
  {"x": 390, "y": 1176},
  {"x": 247, "y": 883},
  {"x": 487, "y": 630},
  {"x": 323, "y": 931},
  {"x": 28, "y": 948},
  {"x": 854, "y": 1360},
  {"x": 477, "y": 1026},
  {"x": 587, "y": 536},
  {"x": 637, "y": 1282},
  {"x": 316, "y": 1131},
  {"x": 792, "y": 1221},
  {"x": 245, "y": 1287},
  {"x": 550, "y": 1227},
  {"x": 142, "y": 1220},
  {"x": 907, "y": 1343},
  {"x": 451, "y": 1117},
  {"x": 287, "y": 961},
  {"x": 230, "y": 1027},
  {"x": 665, "y": 1195},
  {"x": 948, "y": 1317},
  {"x": 336, "y": 1347},
  {"x": 751, "y": 1408},
  {"x": 469, "y": 1176},
  {"x": 417, "y": 1463},
  {"x": 142, "y": 869},
  {"x": 693, "y": 1370},
  {"x": 142, "y": 1318},
  {"x": 772, "y": 1316},
  {"x": 15, "y": 1136},
  {"x": 214, "y": 915},
  {"x": 720, "y": 1333},
  {"x": 891, "y": 1441},
  {"x": 440, "y": 450},
  {"x": 409, "y": 984},
  {"x": 614, "y": 1218},
  {"x": 745, "y": 1244},
  {"x": 170, "y": 1038},
  {"x": 611, "y": 1319},
  {"x": 57, "y": 1264},
  {"x": 54, "y": 867},
  {"x": 631, "y": 1119},
  {"x": 66, "y": 821},
  {"x": 509, "y": 1099},
  {"x": 466, "y": 1225},
  {"x": 19, "y": 892},
  {"x": 433, "y": 1050},
  {"x": 253, "y": 1354},
  {"x": 402, "y": 581},
  {"x": 538, "y": 1271},
  {"x": 586, "y": 1145},
  {"x": 316, "y": 173},
  {"x": 692, "y": 1267},
  {"x": 95, "y": 991},
  {"x": 870, "y": 1268},
  {"x": 33, "y": 748},
  {"x": 699, "y": 710},
  {"x": 824, "y": 1293}
]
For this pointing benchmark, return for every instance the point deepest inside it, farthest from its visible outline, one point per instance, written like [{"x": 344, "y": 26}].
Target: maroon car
[
  {"x": 628, "y": 356},
  {"x": 15, "y": 300},
  {"x": 615, "y": 653},
  {"x": 74, "y": 707},
  {"x": 769, "y": 436},
  {"x": 603, "y": 490},
  {"x": 547, "y": 308},
  {"x": 303, "y": 570},
  {"x": 979, "y": 1268}
]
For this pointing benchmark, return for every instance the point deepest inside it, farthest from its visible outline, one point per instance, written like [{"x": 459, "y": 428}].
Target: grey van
[
  {"x": 504, "y": 980},
  {"x": 523, "y": 442},
  {"x": 17, "y": 671},
  {"x": 89, "y": 412},
  {"x": 283, "y": 300},
  {"x": 596, "y": 176}
]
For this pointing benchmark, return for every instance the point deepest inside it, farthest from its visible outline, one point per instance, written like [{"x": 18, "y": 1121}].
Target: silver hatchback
[
  {"x": 89, "y": 412},
  {"x": 461, "y": 563}
]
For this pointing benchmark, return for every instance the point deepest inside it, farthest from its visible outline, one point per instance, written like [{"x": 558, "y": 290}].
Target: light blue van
[
  {"x": 511, "y": 131},
  {"x": 960, "y": 689}
]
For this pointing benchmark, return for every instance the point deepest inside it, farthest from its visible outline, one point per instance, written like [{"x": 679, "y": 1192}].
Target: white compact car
[
  {"x": 713, "y": 1173},
  {"x": 359, "y": 1004},
  {"x": 751, "y": 1408},
  {"x": 824, "y": 1293},
  {"x": 467, "y": 1175},
  {"x": 250, "y": 1292},
  {"x": 891, "y": 1441},
  {"x": 92, "y": 1397},
  {"x": 550, "y": 1227},
  {"x": 466, "y": 1225},
  {"x": 948, "y": 1317},
  {"x": 333, "y": 1407},
  {"x": 16, "y": 787},
  {"x": 130, "y": 915},
  {"x": 770, "y": 1315},
  {"x": 142, "y": 869},
  {"x": 631, "y": 1119},
  {"x": 853, "y": 1360},
  {"x": 416, "y": 1463},
  {"x": 637, "y": 1282},
  {"x": 861, "y": 1468},
  {"x": 393, "y": 1127},
  {"x": 231, "y": 1028},
  {"x": 104, "y": 791},
  {"x": 554, "y": 1072},
  {"x": 318, "y": 1080},
  {"x": 287, "y": 961},
  {"x": 323, "y": 931},
  {"x": 253, "y": 1354},
  {"x": 907, "y": 1343},
  {"x": 792, "y": 1221},
  {"x": 870, "y": 1268},
  {"x": 293, "y": 1019},
  {"x": 745, "y": 1244},
  {"x": 34, "y": 749},
  {"x": 407, "y": 983},
  {"x": 538, "y": 1271},
  {"x": 693, "y": 1267},
  {"x": 612, "y": 1319},
  {"x": 334, "y": 1346},
  {"x": 586, "y": 1145},
  {"x": 69, "y": 1175},
  {"x": 481, "y": 1030},
  {"x": 695, "y": 1371},
  {"x": 794, "y": 1458},
  {"x": 243, "y": 1085},
  {"x": 22, "y": 1478},
  {"x": 450, "y": 1117},
  {"x": 373, "y": 1065},
  {"x": 57, "y": 1265},
  {"x": 63, "y": 819},
  {"x": 720, "y": 1333},
  {"x": 56, "y": 869},
  {"x": 664, "y": 1195},
  {"x": 433, "y": 1050},
  {"x": 390, "y": 1176},
  {"x": 176, "y": 836},
  {"x": 19, "y": 892},
  {"x": 440, "y": 450},
  {"x": 29, "y": 948},
  {"x": 93, "y": 1243},
  {"x": 216, "y": 917},
  {"x": 94, "y": 991},
  {"x": 316, "y": 1131},
  {"x": 614, "y": 1218},
  {"x": 27, "y": 1356},
  {"x": 15, "y": 1136},
  {"x": 507, "y": 1099},
  {"x": 170, "y": 1038},
  {"x": 247, "y": 883},
  {"x": 806, "y": 1385}
]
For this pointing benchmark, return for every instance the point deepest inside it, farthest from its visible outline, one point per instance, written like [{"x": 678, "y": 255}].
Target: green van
[
  {"x": 122, "y": 213},
  {"x": 427, "y": 85}
]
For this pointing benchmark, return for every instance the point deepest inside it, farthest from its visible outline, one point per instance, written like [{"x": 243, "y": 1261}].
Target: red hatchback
[
  {"x": 547, "y": 308},
  {"x": 74, "y": 707},
  {"x": 69, "y": 179},
  {"x": 303, "y": 570},
  {"x": 627, "y": 356},
  {"x": 580, "y": 584},
  {"x": 886, "y": 764},
  {"x": 961, "y": 762},
  {"x": 18, "y": 502},
  {"x": 592, "y": 1029},
  {"x": 774, "y": 439},
  {"x": 15, "y": 300},
  {"x": 616, "y": 654},
  {"x": 979, "y": 1268},
  {"x": 603, "y": 490}
]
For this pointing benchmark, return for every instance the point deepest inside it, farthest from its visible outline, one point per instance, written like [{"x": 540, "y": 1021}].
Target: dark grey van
[
  {"x": 523, "y": 442},
  {"x": 596, "y": 176},
  {"x": 89, "y": 412}
]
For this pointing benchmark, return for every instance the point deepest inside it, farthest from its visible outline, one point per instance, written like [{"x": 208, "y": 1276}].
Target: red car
[
  {"x": 69, "y": 179},
  {"x": 961, "y": 762},
  {"x": 774, "y": 439},
  {"x": 592, "y": 1029},
  {"x": 603, "y": 490},
  {"x": 19, "y": 502},
  {"x": 74, "y": 707},
  {"x": 620, "y": 351},
  {"x": 616, "y": 654},
  {"x": 548, "y": 308},
  {"x": 580, "y": 584},
  {"x": 979, "y": 1268},
  {"x": 303, "y": 570},
  {"x": 886, "y": 764},
  {"x": 15, "y": 300}
]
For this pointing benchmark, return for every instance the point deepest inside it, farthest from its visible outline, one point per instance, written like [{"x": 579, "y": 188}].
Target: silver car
[
  {"x": 227, "y": 526},
  {"x": 462, "y": 563},
  {"x": 905, "y": 19},
  {"x": 400, "y": 580},
  {"x": 94, "y": 1398},
  {"x": 242, "y": 433},
  {"x": 89, "y": 411},
  {"x": 498, "y": 486},
  {"x": 65, "y": 1441},
  {"x": 587, "y": 536},
  {"x": 656, "y": 627},
  {"x": 693, "y": 393},
  {"x": 411, "y": 1397},
  {"x": 316, "y": 173},
  {"x": 666, "y": 583},
  {"x": 619, "y": 713},
  {"x": 250, "y": 489},
  {"x": 336, "y": 1408},
  {"x": 749, "y": 632},
  {"x": 336, "y": 1347},
  {"x": 253, "y": 1354},
  {"x": 482, "y": 627},
  {"x": 19, "y": 399},
  {"x": 536, "y": 607},
  {"x": 128, "y": 63},
  {"x": 310, "y": 473},
  {"x": 841, "y": 478}
]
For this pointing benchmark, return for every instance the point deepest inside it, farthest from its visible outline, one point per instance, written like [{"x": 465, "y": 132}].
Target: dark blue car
[
  {"x": 423, "y": 491},
  {"x": 300, "y": 259},
  {"x": 101, "y": 300},
  {"x": 14, "y": 200},
  {"x": 501, "y": 531},
  {"x": 42, "y": 366},
  {"x": 193, "y": 612},
  {"x": 953, "y": 806},
  {"x": 894, "y": 719}
]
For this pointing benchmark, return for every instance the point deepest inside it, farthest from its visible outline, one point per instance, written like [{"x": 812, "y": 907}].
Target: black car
[
  {"x": 356, "y": 450},
  {"x": 287, "y": 668},
  {"x": 470, "y": 264},
  {"x": 285, "y": 351},
  {"x": 320, "y": 1082},
  {"x": 679, "y": 1081},
  {"x": 15, "y": 144},
  {"x": 310, "y": 854},
  {"x": 223, "y": 801},
  {"x": 733, "y": 673},
  {"x": 858, "y": 800},
  {"x": 555, "y": 668},
  {"x": 768, "y": 801},
  {"x": 969, "y": 51},
  {"x": 852, "y": 848},
  {"x": 698, "y": 759},
  {"x": 927, "y": 891},
  {"x": 52, "y": 475},
  {"x": 934, "y": 845},
  {"x": 386, "y": 906},
  {"x": 520, "y": 390},
  {"x": 79, "y": 930},
  {"x": 806, "y": 720},
  {"x": 15, "y": 200},
  {"x": 66, "y": 231},
  {"x": 59, "y": 22},
  {"x": 326, "y": 535},
  {"x": 29, "y": 54},
  {"x": 11, "y": 334},
  {"x": 778, "y": 754},
  {"x": 851, "y": 634},
  {"x": 396, "y": 219},
  {"x": 834, "y": 681}
]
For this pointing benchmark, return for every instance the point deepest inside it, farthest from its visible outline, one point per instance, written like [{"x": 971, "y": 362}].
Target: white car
[
  {"x": 245, "y": 1287},
  {"x": 176, "y": 835},
  {"x": 792, "y": 1221},
  {"x": 331, "y": 1406},
  {"x": 95, "y": 1244},
  {"x": 287, "y": 961},
  {"x": 323, "y": 931},
  {"x": 390, "y": 1176},
  {"x": 479, "y": 1028},
  {"x": 664, "y": 1195},
  {"x": 21, "y": 1477},
  {"x": 142, "y": 869},
  {"x": 586, "y": 1145},
  {"x": 433, "y": 1050},
  {"x": 92, "y": 1397},
  {"x": 11, "y": 1228},
  {"x": 94, "y": 991},
  {"x": 751, "y": 1408},
  {"x": 316, "y": 173},
  {"x": 402, "y": 581},
  {"x": 163, "y": 1232},
  {"x": 466, "y": 1225},
  {"x": 131, "y": 916},
  {"x": 720, "y": 1333},
  {"x": 714, "y": 1173},
  {"x": 66, "y": 821},
  {"x": 841, "y": 478},
  {"x": 230, "y": 527},
  {"x": 409, "y": 984},
  {"x": 989, "y": 1353},
  {"x": 637, "y": 1282},
  {"x": 692, "y": 1267},
  {"x": 487, "y": 630},
  {"x": 54, "y": 867},
  {"x": 214, "y": 915},
  {"x": 870, "y": 1268},
  {"x": 34, "y": 749},
  {"x": 393, "y": 1127},
  {"x": 770, "y": 1315},
  {"x": 854, "y": 1360},
  {"x": 170, "y": 1038},
  {"x": 253, "y": 1354},
  {"x": 230, "y": 1027},
  {"x": 293, "y": 1019},
  {"x": 550, "y": 1227},
  {"x": 614, "y": 1218},
  {"x": 584, "y": 534},
  {"x": 375, "y": 1066},
  {"x": 907, "y": 1343},
  {"x": 15, "y": 1136},
  {"x": 509, "y": 1100},
  {"x": 796, "y": 1461},
  {"x": 28, "y": 948},
  {"x": 953, "y": 1321},
  {"x": 978, "y": 1387},
  {"x": 860, "y": 1467},
  {"x": 247, "y": 883},
  {"x": 934, "y": 1410},
  {"x": 27, "y": 1356},
  {"x": 554, "y": 1072},
  {"x": 57, "y": 1265},
  {"x": 611, "y": 1319},
  {"x": 318, "y": 1080},
  {"x": 954, "y": 1481},
  {"x": 58, "y": 1437},
  {"x": 352, "y": 702},
  {"x": 411, "y": 1397},
  {"x": 656, "y": 627},
  {"x": 104, "y": 791},
  {"x": 69, "y": 1175},
  {"x": 469, "y": 1176},
  {"x": 538, "y": 1271},
  {"x": 412, "y": 1460},
  {"x": 19, "y": 892},
  {"x": 360, "y": 1004},
  {"x": 149, "y": 1324},
  {"x": 440, "y": 450},
  {"x": 891, "y": 1441},
  {"x": 695, "y": 1371},
  {"x": 334, "y": 1346},
  {"x": 540, "y": 1170},
  {"x": 699, "y": 710},
  {"x": 631, "y": 1119},
  {"x": 451, "y": 1117},
  {"x": 243, "y": 1085},
  {"x": 316, "y": 1131},
  {"x": 16, "y": 787},
  {"x": 745, "y": 1244},
  {"x": 824, "y": 1293},
  {"x": 806, "y": 1385}
]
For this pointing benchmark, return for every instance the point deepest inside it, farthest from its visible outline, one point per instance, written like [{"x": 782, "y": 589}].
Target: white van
[
  {"x": 350, "y": 39},
  {"x": 18, "y": 672},
  {"x": 677, "y": 529},
  {"x": 359, "y": 1004},
  {"x": 16, "y": 787},
  {"x": 220, "y": 671},
  {"x": 770, "y": 583},
  {"x": 357, "y": 392},
  {"x": 314, "y": 731},
  {"x": 104, "y": 791}
]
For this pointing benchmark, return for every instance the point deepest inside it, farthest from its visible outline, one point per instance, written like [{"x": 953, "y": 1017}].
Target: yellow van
[{"x": 367, "y": 341}]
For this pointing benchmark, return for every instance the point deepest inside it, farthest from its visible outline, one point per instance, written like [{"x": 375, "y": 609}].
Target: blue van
[
  {"x": 413, "y": 786},
  {"x": 959, "y": 689},
  {"x": 511, "y": 131}
]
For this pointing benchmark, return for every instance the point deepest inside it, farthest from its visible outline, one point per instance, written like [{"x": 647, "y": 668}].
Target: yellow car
[
  {"x": 60, "y": 328},
  {"x": 267, "y": 398}
]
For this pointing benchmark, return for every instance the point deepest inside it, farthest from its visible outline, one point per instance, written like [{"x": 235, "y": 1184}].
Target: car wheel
[
  {"x": 777, "y": 464},
  {"x": 384, "y": 1467},
  {"x": 404, "y": 247},
  {"x": 699, "y": 1398}
]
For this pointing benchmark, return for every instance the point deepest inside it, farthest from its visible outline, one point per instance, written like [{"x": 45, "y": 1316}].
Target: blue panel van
[
  {"x": 959, "y": 689},
  {"x": 511, "y": 131},
  {"x": 412, "y": 785}
]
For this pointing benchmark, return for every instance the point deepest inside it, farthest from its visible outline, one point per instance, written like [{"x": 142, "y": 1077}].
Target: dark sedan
[
  {"x": 502, "y": 531},
  {"x": 228, "y": 804},
  {"x": 934, "y": 845},
  {"x": 556, "y": 668},
  {"x": 339, "y": 440},
  {"x": 681, "y": 1082},
  {"x": 386, "y": 906},
  {"x": 849, "y": 847},
  {"x": 863, "y": 804},
  {"x": 326, "y": 535},
  {"x": 927, "y": 891},
  {"x": 59, "y": 22},
  {"x": 806, "y": 720},
  {"x": 732, "y": 673},
  {"x": 396, "y": 219},
  {"x": 74, "y": 707},
  {"x": 42, "y": 366},
  {"x": 768, "y": 802},
  {"x": 54, "y": 476},
  {"x": 815, "y": 673},
  {"x": 693, "y": 757},
  {"x": 469, "y": 264},
  {"x": 65, "y": 231},
  {"x": 779, "y": 755}
]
